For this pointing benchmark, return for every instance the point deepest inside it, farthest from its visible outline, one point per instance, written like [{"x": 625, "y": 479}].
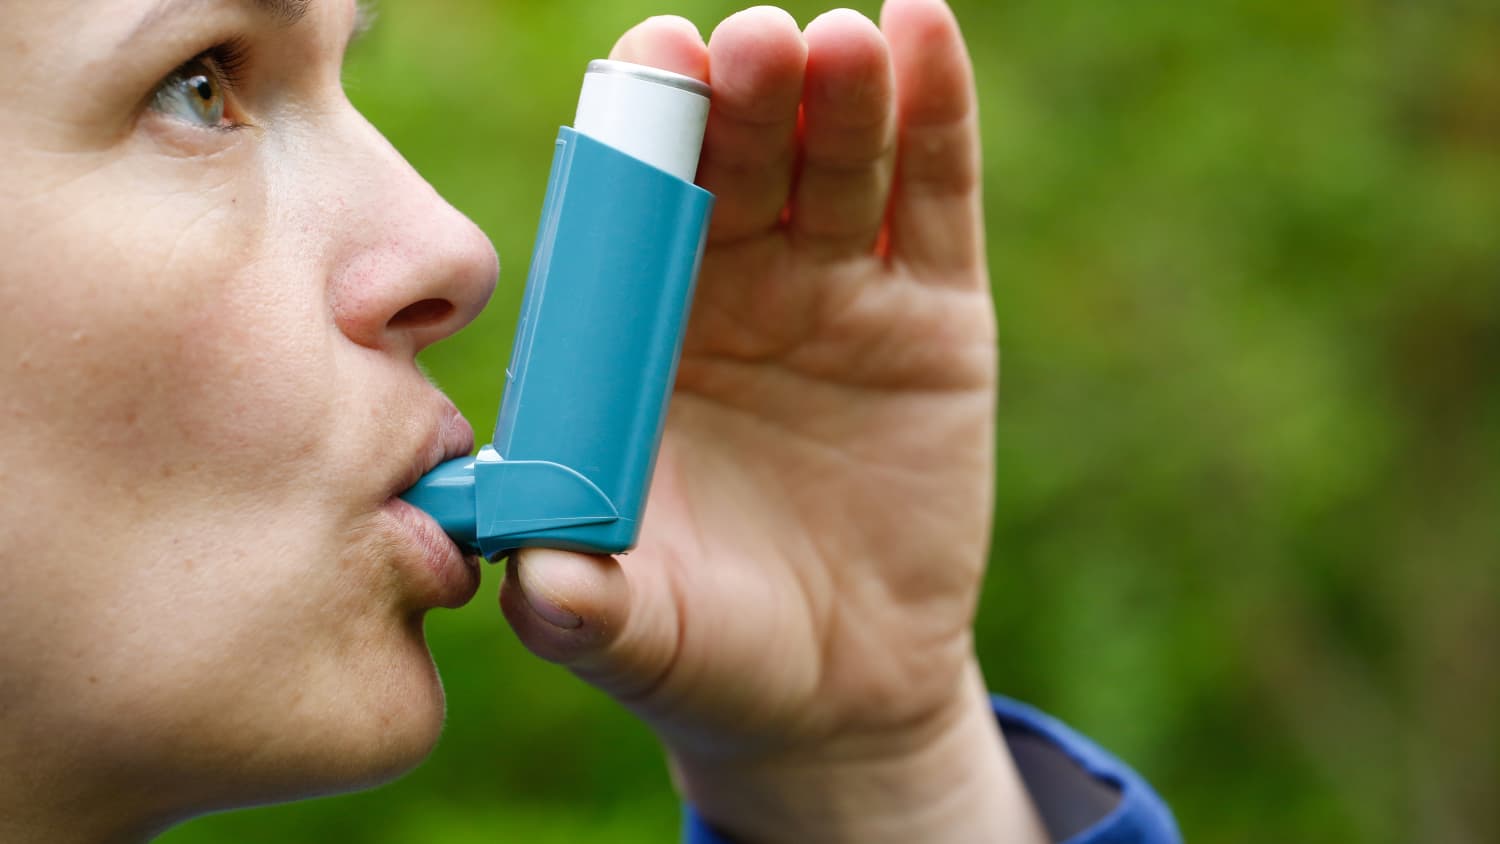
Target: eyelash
[
  {"x": 227, "y": 62},
  {"x": 229, "y": 59}
]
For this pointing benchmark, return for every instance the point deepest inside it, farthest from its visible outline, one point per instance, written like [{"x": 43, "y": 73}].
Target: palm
[
  {"x": 818, "y": 520},
  {"x": 855, "y": 417}
]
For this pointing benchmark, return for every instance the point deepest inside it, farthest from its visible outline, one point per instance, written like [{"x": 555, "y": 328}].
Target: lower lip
[{"x": 446, "y": 578}]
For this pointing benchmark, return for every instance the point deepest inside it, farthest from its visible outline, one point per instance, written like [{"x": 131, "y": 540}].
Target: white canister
[{"x": 654, "y": 115}]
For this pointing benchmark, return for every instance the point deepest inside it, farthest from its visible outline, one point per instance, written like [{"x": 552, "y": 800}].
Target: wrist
[{"x": 950, "y": 778}]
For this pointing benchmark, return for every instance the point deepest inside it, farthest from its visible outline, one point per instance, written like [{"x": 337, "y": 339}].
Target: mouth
[
  {"x": 451, "y": 438},
  {"x": 443, "y": 576}
]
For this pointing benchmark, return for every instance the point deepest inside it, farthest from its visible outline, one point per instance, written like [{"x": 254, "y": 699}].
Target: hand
[{"x": 796, "y": 623}]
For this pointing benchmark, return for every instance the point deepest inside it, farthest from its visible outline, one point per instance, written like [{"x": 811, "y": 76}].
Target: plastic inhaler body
[{"x": 617, "y": 254}]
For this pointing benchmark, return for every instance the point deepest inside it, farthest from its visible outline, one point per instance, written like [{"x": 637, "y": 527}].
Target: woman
[{"x": 216, "y": 277}]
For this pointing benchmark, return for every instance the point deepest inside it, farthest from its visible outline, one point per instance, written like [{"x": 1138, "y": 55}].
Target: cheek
[
  {"x": 170, "y": 393},
  {"x": 160, "y": 336},
  {"x": 181, "y": 423}
]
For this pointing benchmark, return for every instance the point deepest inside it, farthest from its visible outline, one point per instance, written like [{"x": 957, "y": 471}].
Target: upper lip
[{"x": 449, "y": 437}]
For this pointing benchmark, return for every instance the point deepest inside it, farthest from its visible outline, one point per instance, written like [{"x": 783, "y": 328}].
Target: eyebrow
[
  {"x": 283, "y": 12},
  {"x": 286, "y": 12}
]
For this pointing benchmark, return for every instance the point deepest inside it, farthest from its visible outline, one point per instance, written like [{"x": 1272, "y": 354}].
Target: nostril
[{"x": 421, "y": 314}]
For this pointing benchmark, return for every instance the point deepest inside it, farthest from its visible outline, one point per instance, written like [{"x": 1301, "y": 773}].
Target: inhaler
[{"x": 617, "y": 253}]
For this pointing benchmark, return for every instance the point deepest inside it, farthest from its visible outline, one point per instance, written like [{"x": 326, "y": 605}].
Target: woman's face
[{"x": 214, "y": 276}]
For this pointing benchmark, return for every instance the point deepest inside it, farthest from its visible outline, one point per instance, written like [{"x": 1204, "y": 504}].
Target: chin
[
  {"x": 359, "y": 726},
  {"x": 371, "y": 737}
]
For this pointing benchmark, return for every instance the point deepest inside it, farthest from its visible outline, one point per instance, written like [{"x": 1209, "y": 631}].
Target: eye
[{"x": 197, "y": 92}]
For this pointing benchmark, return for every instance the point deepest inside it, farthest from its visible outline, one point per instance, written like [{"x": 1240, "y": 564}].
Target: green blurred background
[{"x": 1247, "y": 262}]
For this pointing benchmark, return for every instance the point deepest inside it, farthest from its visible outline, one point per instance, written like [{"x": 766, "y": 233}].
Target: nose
[{"x": 413, "y": 269}]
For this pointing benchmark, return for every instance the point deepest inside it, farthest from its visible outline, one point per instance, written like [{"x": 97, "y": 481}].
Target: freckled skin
[
  {"x": 208, "y": 399},
  {"x": 192, "y": 529}
]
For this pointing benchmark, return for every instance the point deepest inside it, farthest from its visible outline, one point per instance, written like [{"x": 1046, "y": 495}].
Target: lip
[
  {"x": 451, "y": 438},
  {"x": 444, "y": 576}
]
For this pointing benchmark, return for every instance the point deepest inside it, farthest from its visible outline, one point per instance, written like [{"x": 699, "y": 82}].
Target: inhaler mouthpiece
[{"x": 653, "y": 115}]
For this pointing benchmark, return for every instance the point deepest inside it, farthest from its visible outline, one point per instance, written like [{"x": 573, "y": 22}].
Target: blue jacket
[{"x": 1084, "y": 794}]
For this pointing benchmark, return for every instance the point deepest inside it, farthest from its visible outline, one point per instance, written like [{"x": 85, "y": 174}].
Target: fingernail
[{"x": 542, "y": 600}]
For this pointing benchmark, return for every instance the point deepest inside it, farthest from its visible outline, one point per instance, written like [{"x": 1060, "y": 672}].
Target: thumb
[{"x": 584, "y": 612}]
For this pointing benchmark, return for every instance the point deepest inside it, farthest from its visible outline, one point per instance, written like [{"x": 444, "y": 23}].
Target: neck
[{"x": 52, "y": 789}]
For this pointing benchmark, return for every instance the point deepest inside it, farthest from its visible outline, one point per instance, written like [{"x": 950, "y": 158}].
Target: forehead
[
  {"x": 137, "y": 14},
  {"x": 284, "y": 12},
  {"x": 89, "y": 27}
]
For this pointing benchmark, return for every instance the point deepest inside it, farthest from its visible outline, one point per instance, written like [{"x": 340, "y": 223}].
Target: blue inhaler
[{"x": 621, "y": 239}]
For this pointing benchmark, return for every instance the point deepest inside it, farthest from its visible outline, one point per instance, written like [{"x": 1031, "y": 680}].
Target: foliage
[{"x": 1247, "y": 261}]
